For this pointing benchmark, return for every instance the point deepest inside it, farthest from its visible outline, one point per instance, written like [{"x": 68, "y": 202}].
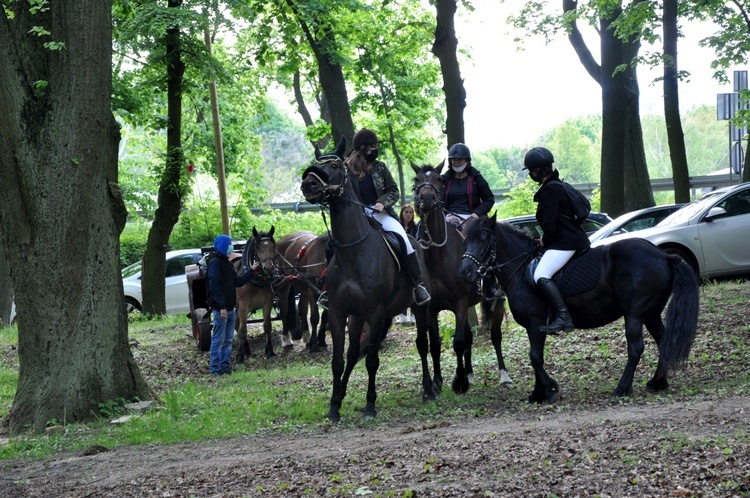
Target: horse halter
[
  {"x": 425, "y": 239},
  {"x": 259, "y": 241},
  {"x": 329, "y": 191}
]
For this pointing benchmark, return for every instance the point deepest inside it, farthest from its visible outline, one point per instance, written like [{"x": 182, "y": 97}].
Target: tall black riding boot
[
  {"x": 562, "y": 321},
  {"x": 421, "y": 295}
]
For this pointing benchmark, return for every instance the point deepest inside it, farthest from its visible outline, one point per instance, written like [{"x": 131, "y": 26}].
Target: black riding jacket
[{"x": 555, "y": 215}]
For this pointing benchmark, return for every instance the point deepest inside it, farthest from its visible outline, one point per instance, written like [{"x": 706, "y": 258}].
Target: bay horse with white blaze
[
  {"x": 364, "y": 282},
  {"x": 444, "y": 247},
  {"x": 632, "y": 278}
]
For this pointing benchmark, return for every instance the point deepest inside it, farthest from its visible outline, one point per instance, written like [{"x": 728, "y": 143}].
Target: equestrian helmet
[
  {"x": 538, "y": 157},
  {"x": 365, "y": 137},
  {"x": 459, "y": 151}
]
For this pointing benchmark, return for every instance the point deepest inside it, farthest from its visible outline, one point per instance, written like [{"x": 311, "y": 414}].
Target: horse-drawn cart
[{"x": 198, "y": 299}]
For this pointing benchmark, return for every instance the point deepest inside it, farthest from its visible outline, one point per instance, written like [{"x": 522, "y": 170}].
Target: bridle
[
  {"x": 272, "y": 258},
  {"x": 425, "y": 238},
  {"x": 489, "y": 256}
]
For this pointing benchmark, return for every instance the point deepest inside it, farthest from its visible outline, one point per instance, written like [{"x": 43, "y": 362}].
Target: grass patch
[{"x": 291, "y": 392}]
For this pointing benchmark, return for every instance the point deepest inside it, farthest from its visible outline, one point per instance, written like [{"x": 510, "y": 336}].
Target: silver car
[
  {"x": 711, "y": 233},
  {"x": 634, "y": 221}
]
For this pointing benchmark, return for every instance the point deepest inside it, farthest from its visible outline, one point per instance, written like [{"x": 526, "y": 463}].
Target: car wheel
[
  {"x": 202, "y": 329},
  {"x": 131, "y": 305},
  {"x": 687, "y": 258}
]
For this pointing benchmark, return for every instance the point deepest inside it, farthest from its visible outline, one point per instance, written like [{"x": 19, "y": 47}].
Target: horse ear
[
  {"x": 439, "y": 167},
  {"x": 341, "y": 148},
  {"x": 414, "y": 167},
  {"x": 255, "y": 232},
  {"x": 270, "y": 232},
  {"x": 493, "y": 218},
  {"x": 317, "y": 153}
]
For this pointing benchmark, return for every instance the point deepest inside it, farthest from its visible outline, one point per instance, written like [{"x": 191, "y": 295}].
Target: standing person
[
  {"x": 466, "y": 194},
  {"x": 379, "y": 193},
  {"x": 561, "y": 235},
  {"x": 222, "y": 296},
  {"x": 406, "y": 217}
]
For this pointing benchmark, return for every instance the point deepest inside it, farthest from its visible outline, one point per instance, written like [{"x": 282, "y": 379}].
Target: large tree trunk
[
  {"x": 444, "y": 48},
  {"x": 171, "y": 188},
  {"x": 62, "y": 213},
  {"x": 638, "y": 192},
  {"x": 675, "y": 135},
  {"x": 6, "y": 287}
]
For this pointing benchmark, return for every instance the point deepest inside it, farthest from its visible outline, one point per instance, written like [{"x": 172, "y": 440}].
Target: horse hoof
[
  {"x": 333, "y": 416},
  {"x": 270, "y": 354},
  {"x": 653, "y": 386},
  {"x": 289, "y": 347},
  {"x": 240, "y": 360},
  {"x": 505, "y": 378},
  {"x": 461, "y": 385}
]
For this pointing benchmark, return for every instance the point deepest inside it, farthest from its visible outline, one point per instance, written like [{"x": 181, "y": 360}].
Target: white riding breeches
[
  {"x": 390, "y": 224},
  {"x": 551, "y": 262}
]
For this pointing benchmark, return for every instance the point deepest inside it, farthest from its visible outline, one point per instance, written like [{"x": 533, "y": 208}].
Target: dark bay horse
[
  {"x": 257, "y": 294},
  {"x": 630, "y": 278},
  {"x": 443, "y": 247},
  {"x": 363, "y": 283},
  {"x": 303, "y": 262}
]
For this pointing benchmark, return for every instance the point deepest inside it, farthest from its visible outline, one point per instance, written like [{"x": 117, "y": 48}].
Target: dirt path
[{"x": 650, "y": 449}]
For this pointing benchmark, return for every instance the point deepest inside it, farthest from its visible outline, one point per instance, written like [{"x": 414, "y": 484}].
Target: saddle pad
[{"x": 580, "y": 274}]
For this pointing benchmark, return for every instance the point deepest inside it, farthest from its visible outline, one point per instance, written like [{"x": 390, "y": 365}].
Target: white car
[
  {"x": 634, "y": 221},
  {"x": 175, "y": 282},
  {"x": 711, "y": 233}
]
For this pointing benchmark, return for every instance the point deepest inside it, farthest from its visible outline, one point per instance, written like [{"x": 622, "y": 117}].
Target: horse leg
[
  {"x": 423, "y": 319},
  {"x": 658, "y": 382},
  {"x": 322, "y": 329},
  {"x": 312, "y": 344},
  {"x": 243, "y": 346},
  {"x": 338, "y": 327},
  {"x": 373, "y": 363},
  {"x": 355, "y": 324},
  {"x": 546, "y": 389},
  {"x": 634, "y": 336},
  {"x": 461, "y": 347},
  {"x": 308, "y": 307},
  {"x": 435, "y": 350},
  {"x": 302, "y": 331},
  {"x": 267, "y": 327},
  {"x": 496, "y": 335},
  {"x": 288, "y": 308}
]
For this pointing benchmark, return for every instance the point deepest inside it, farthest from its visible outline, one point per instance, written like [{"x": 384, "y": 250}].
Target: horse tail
[{"x": 682, "y": 315}]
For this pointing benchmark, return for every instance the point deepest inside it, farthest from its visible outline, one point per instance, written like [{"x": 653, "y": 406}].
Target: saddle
[
  {"x": 394, "y": 243},
  {"x": 578, "y": 275}
]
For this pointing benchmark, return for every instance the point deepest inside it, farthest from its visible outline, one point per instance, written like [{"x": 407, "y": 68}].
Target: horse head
[
  {"x": 326, "y": 176},
  {"x": 480, "y": 248},
  {"x": 428, "y": 186},
  {"x": 264, "y": 251}
]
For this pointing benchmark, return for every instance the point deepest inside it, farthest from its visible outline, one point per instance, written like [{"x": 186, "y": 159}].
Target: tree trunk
[
  {"x": 171, "y": 188},
  {"x": 62, "y": 215},
  {"x": 675, "y": 135},
  {"x": 444, "y": 48},
  {"x": 637, "y": 183},
  {"x": 6, "y": 288},
  {"x": 614, "y": 122}
]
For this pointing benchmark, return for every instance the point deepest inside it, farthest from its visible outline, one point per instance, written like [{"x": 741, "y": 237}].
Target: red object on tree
[{"x": 190, "y": 168}]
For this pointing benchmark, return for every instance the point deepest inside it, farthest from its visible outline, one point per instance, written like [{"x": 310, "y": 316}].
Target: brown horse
[
  {"x": 443, "y": 248},
  {"x": 258, "y": 293},
  {"x": 302, "y": 258}
]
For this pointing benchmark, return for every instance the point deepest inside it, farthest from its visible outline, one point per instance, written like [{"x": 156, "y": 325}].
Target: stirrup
[{"x": 416, "y": 298}]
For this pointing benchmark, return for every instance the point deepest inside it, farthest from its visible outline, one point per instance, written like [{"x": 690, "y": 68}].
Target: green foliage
[
  {"x": 133, "y": 241},
  {"x": 520, "y": 200}
]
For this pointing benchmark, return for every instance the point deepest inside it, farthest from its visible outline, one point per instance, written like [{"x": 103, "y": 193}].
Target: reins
[
  {"x": 484, "y": 269},
  {"x": 425, "y": 239}
]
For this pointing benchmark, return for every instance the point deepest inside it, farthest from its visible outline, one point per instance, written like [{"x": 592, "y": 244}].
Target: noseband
[
  {"x": 488, "y": 255},
  {"x": 329, "y": 191}
]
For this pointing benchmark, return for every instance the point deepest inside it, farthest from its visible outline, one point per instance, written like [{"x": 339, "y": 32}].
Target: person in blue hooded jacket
[{"x": 222, "y": 297}]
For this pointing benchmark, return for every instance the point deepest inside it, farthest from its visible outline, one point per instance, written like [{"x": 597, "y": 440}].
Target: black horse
[
  {"x": 630, "y": 278},
  {"x": 444, "y": 245},
  {"x": 363, "y": 283}
]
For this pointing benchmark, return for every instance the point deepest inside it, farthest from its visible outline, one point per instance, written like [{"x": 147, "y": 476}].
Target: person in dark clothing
[
  {"x": 406, "y": 217},
  {"x": 222, "y": 284},
  {"x": 379, "y": 193},
  {"x": 466, "y": 194},
  {"x": 561, "y": 237}
]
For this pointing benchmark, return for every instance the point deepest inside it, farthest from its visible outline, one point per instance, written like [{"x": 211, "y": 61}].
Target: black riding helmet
[
  {"x": 459, "y": 151},
  {"x": 538, "y": 157}
]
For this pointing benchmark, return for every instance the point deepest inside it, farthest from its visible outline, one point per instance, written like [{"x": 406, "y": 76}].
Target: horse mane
[
  {"x": 502, "y": 230},
  {"x": 514, "y": 232}
]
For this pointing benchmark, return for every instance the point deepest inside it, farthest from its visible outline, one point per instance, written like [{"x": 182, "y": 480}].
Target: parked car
[
  {"x": 528, "y": 223},
  {"x": 635, "y": 220},
  {"x": 175, "y": 283},
  {"x": 712, "y": 233}
]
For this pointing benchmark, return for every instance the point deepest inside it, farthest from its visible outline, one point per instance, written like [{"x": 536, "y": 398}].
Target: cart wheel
[{"x": 202, "y": 329}]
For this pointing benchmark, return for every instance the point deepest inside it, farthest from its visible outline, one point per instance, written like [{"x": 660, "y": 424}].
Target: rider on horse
[
  {"x": 562, "y": 235},
  {"x": 379, "y": 193}
]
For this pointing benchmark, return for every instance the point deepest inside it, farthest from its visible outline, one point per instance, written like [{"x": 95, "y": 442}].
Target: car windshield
[
  {"x": 689, "y": 210},
  {"x": 131, "y": 270}
]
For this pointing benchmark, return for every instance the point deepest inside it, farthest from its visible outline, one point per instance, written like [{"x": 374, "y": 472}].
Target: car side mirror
[{"x": 715, "y": 212}]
